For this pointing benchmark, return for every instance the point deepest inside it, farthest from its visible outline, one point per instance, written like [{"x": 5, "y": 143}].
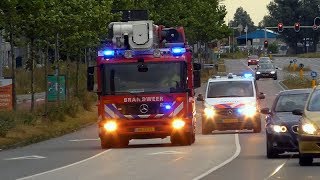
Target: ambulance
[{"x": 231, "y": 102}]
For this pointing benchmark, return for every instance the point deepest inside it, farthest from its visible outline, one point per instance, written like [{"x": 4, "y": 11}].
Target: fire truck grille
[{"x": 140, "y": 108}]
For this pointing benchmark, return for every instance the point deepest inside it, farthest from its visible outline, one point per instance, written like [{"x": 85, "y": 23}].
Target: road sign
[
  {"x": 5, "y": 94},
  {"x": 53, "y": 88},
  {"x": 294, "y": 60},
  {"x": 314, "y": 74}
]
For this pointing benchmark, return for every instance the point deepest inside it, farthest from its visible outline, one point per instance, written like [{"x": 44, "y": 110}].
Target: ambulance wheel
[{"x": 275, "y": 78}]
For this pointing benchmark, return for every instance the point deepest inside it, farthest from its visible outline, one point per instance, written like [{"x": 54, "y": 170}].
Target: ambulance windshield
[
  {"x": 159, "y": 77},
  {"x": 221, "y": 89}
]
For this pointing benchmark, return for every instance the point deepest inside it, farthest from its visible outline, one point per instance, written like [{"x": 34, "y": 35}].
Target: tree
[
  {"x": 9, "y": 20},
  {"x": 242, "y": 17},
  {"x": 290, "y": 12}
]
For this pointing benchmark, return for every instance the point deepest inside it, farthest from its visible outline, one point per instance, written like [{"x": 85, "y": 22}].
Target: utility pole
[{"x": 1, "y": 58}]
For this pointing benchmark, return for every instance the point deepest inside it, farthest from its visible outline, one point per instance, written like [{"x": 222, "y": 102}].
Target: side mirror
[
  {"x": 261, "y": 96},
  {"x": 297, "y": 112},
  {"x": 200, "y": 98},
  {"x": 265, "y": 111},
  {"x": 90, "y": 79},
  {"x": 255, "y": 68},
  {"x": 277, "y": 68},
  {"x": 196, "y": 66}
]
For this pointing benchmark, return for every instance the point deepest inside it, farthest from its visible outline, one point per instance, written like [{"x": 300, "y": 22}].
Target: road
[{"x": 217, "y": 156}]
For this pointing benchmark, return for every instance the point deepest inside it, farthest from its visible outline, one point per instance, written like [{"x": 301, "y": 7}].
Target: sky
[{"x": 255, "y": 8}]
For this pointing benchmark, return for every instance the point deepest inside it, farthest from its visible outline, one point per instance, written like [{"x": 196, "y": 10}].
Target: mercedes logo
[
  {"x": 230, "y": 112},
  {"x": 144, "y": 108}
]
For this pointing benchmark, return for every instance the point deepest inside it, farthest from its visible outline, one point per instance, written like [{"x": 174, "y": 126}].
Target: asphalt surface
[{"x": 217, "y": 156}]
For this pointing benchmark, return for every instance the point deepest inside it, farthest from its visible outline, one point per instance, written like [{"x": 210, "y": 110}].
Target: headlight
[
  {"x": 209, "y": 112},
  {"x": 258, "y": 72},
  {"x": 248, "y": 111},
  {"x": 309, "y": 128},
  {"x": 110, "y": 126},
  {"x": 272, "y": 72},
  {"x": 278, "y": 129},
  {"x": 178, "y": 124}
]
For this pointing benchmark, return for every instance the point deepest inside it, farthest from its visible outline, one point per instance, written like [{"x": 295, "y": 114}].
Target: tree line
[{"x": 67, "y": 28}]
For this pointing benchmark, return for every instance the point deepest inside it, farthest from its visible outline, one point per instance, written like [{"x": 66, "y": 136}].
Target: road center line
[
  {"x": 64, "y": 167},
  {"x": 247, "y": 66},
  {"x": 235, "y": 155}
]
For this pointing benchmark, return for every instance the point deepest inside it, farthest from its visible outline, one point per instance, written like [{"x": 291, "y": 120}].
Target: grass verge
[
  {"x": 290, "y": 69},
  {"x": 309, "y": 55},
  {"x": 236, "y": 55},
  {"x": 295, "y": 82},
  {"x": 24, "y": 134}
]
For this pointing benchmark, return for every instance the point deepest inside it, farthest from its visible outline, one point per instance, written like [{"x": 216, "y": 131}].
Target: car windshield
[
  {"x": 290, "y": 102},
  {"x": 314, "y": 102},
  {"x": 266, "y": 66},
  {"x": 125, "y": 78},
  {"x": 230, "y": 89}
]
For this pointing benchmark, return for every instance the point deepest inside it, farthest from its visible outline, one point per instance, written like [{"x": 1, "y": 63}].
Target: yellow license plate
[
  {"x": 146, "y": 129},
  {"x": 230, "y": 120}
]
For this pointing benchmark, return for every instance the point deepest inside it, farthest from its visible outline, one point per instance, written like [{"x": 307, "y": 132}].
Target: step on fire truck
[{"x": 145, "y": 84}]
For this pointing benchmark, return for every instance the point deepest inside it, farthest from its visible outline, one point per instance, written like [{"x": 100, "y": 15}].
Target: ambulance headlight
[
  {"x": 258, "y": 72},
  {"x": 248, "y": 110},
  {"x": 209, "y": 112}
]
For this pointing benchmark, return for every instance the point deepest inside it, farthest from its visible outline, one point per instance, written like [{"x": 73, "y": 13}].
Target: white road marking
[
  {"x": 278, "y": 169},
  {"x": 235, "y": 155},
  {"x": 80, "y": 140},
  {"x": 32, "y": 157},
  {"x": 63, "y": 167},
  {"x": 247, "y": 66},
  {"x": 167, "y": 152}
]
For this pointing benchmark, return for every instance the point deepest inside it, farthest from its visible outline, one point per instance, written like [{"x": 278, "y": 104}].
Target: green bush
[
  {"x": 7, "y": 122},
  {"x": 295, "y": 82},
  {"x": 273, "y": 48},
  {"x": 236, "y": 55},
  {"x": 71, "y": 108},
  {"x": 26, "y": 118},
  {"x": 87, "y": 99},
  {"x": 56, "y": 113}
]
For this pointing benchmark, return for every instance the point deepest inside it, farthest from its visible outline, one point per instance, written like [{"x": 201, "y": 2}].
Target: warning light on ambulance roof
[
  {"x": 248, "y": 75},
  {"x": 168, "y": 107},
  {"x": 178, "y": 51},
  {"x": 108, "y": 53}
]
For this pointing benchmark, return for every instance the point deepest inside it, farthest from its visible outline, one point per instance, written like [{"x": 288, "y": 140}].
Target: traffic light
[
  {"x": 297, "y": 27},
  {"x": 266, "y": 44},
  {"x": 280, "y": 27}
]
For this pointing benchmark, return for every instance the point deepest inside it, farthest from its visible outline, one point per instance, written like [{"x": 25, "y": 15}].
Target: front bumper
[
  {"x": 283, "y": 141},
  {"x": 145, "y": 129},
  {"x": 309, "y": 145},
  {"x": 234, "y": 123}
]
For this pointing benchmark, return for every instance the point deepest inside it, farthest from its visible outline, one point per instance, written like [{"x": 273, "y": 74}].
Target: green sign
[{"x": 53, "y": 88}]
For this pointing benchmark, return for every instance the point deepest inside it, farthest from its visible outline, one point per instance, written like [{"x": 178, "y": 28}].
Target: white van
[{"x": 231, "y": 103}]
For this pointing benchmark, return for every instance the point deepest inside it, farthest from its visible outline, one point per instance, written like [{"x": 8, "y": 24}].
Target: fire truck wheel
[
  {"x": 105, "y": 144},
  {"x": 123, "y": 142},
  {"x": 205, "y": 128},
  {"x": 185, "y": 140}
]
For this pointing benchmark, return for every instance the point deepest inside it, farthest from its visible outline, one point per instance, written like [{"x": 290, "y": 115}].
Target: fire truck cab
[{"x": 145, "y": 85}]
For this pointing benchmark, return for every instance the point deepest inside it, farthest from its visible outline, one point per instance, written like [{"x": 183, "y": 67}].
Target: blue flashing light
[
  {"x": 108, "y": 53},
  {"x": 178, "y": 51},
  {"x": 240, "y": 110},
  {"x": 168, "y": 107},
  {"x": 247, "y": 75}
]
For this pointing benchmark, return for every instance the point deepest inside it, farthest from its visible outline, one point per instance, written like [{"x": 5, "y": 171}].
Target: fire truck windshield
[{"x": 160, "y": 77}]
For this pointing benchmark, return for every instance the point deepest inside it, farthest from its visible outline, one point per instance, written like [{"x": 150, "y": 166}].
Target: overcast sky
[{"x": 255, "y": 8}]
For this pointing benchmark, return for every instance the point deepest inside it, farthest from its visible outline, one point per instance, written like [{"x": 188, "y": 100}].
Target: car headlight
[
  {"x": 272, "y": 72},
  {"x": 110, "y": 126},
  {"x": 248, "y": 110},
  {"x": 278, "y": 129},
  {"x": 258, "y": 72},
  {"x": 209, "y": 112},
  {"x": 178, "y": 124},
  {"x": 309, "y": 128}
]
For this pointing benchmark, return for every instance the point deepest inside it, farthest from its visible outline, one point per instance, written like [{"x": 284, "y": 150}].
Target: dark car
[
  {"x": 281, "y": 124},
  {"x": 266, "y": 70},
  {"x": 263, "y": 60},
  {"x": 253, "y": 60}
]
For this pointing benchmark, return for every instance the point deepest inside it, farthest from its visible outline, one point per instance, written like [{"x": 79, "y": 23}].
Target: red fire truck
[{"x": 145, "y": 84}]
